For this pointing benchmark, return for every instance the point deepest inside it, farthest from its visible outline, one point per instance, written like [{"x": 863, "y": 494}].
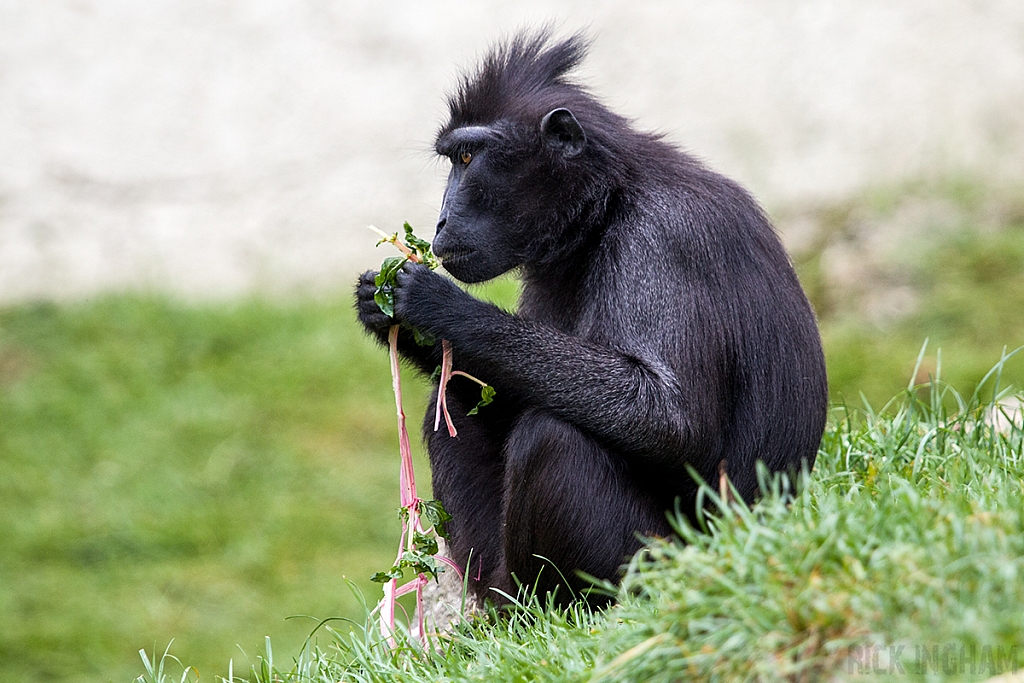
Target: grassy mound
[{"x": 901, "y": 556}]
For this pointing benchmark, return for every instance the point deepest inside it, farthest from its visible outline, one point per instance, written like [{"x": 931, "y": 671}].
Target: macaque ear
[{"x": 563, "y": 132}]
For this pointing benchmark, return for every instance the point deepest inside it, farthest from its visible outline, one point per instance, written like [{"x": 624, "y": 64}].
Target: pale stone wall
[{"x": 211, "y": 148}]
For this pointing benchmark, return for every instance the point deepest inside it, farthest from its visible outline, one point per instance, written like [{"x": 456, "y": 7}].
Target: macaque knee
[{"x": 570, "y": 507}]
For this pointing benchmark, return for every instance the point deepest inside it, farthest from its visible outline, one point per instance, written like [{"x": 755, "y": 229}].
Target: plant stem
[
  {"x": 407, "y": 494},
  {"x": 407, "y": 478},
  {"x": 460, "y": 373},
  {"x": 442, "y": 390},
  {"x": 410, "y": 501}
]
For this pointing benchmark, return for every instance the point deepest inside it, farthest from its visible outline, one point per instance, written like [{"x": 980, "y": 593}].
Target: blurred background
[{"x": 196, "y": 442}]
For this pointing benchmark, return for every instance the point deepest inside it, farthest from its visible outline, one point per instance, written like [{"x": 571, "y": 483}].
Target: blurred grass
[
  {"x": 188, "y": 472},
  {"x": 203, "y": 471},
  {"x": 196, "y": 472},
  {"x": 937, "y": 261}
]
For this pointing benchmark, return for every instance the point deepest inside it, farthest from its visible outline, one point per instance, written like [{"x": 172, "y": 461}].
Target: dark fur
[{"x": 661, "y": 325}]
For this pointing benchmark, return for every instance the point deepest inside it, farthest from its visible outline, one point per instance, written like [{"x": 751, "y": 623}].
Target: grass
[
  {"x": 191, "y": 473},
  {"x": 943, "y": 261},
  {"x": 202, "y": 472},
  {"x": 901, "y": 557}
]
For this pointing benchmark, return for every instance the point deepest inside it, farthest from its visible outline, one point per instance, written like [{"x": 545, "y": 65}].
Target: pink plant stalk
[
  {"x": 407, "y": 478},
  {"x": 451, "y": 563},
  {"x": 386, "y": 620},
  {"x": 460, "y": 373},
  {"x": 409, "y": 499},
  {"x": 442, "y": 393}
]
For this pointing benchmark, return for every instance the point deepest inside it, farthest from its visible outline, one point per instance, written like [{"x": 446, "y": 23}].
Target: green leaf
[
  {"x": 415, "y": 243},
  {"x": 385, "y": 281},
  {"x": 420, "y": 563},
  {"x": 389, "y": 268},
  {"x": 387, "y": 278},
  {"x": 487, "y": 394},
  {"x": 383, "y": 577},
  {"x": 385, "y": 298},
  {"x": 435, "y": 376},
  {"x": 420, "y": 247},
  {"x": 422, "y": 338},
  {"x": 424, "y": 543},
  {"x": 435, "y": 515}
]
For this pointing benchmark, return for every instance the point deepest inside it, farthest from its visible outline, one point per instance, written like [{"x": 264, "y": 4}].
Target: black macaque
[{"x": 661, "y": 326}]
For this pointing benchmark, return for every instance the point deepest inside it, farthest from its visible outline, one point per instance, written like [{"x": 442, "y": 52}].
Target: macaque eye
[{"x": 466, "y": 157}]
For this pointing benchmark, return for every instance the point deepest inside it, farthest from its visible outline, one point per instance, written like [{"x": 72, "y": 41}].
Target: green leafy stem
[
  {"x": 422, "y": 520},
  {"x": 417, "y": 250},
  {"x": 419, "y": 557}
]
